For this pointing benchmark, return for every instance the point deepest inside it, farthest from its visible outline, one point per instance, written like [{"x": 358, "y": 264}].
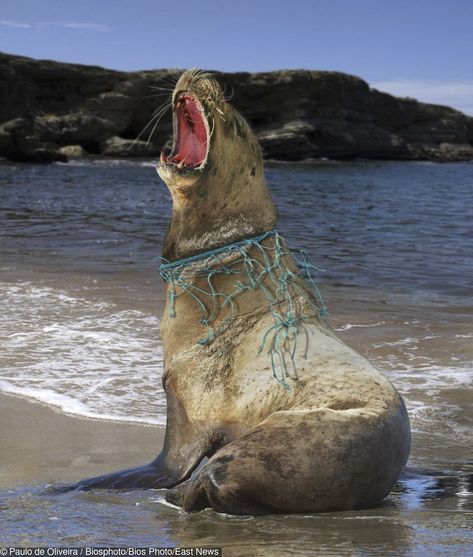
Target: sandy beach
[{"x": 39, "y": 445}]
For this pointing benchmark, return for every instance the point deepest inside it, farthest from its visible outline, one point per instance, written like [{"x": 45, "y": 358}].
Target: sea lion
[{"x": 290, "y": 419}]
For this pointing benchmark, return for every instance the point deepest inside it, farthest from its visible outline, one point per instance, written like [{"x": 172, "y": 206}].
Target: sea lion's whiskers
[
  {"x": 229, "y": 97},
  {"x": 213, "y": 87},
  {"x": 172, "y": 76},
  {"x": 210, "y": 120},
  {"x": 156, "y": 95},
  {"x": 220, "y": 113},
  {"x": 198, "y": 73},
  {"x": 168, "y": 81},
  {"x": 157, "y": 115},
  {"x": 159, "y": 88},
  {"x": 165, "y": 104}
]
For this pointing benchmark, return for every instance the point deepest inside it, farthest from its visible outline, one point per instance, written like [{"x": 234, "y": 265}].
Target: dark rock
[
  {"x": 21, "y": 144},
  {"x": 119, "y": 147},
  {"x": 82, "y": 127},
  {"x": 113, "y": 107},
  {"x": 296, "y": 114},
  {"x": 73, "y": 151},
  {"x": 39, "y": 155},
  {"x": 448, "y": 152}
]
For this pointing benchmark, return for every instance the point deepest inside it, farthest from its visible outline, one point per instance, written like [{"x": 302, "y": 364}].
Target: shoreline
[{"x": 42, "y": 445}]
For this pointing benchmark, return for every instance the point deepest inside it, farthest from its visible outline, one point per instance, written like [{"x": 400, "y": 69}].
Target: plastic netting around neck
[{"x": 291, "y": 295}]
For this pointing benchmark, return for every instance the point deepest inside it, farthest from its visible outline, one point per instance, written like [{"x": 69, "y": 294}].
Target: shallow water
[
  {"x": 82, "y": 306},
  {"x": 426, "y": 515}
]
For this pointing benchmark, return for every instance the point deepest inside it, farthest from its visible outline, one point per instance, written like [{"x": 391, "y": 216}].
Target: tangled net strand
[{"x": 282, "y": 287}]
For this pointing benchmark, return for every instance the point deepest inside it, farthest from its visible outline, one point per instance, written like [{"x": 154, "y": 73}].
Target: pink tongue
[{"x": 192, "y": 135}]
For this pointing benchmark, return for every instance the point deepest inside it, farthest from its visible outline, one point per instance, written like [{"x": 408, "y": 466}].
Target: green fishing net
[{"x": 255, "y": 264}]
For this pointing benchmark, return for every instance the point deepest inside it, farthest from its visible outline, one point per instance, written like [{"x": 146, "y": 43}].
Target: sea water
[{"x": 82, "y": 299}]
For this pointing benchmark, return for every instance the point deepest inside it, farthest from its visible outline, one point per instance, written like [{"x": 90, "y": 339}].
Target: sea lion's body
[{"x": 337, "y": 437}]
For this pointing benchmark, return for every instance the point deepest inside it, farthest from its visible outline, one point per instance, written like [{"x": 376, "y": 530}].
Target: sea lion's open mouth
[{"x": 190, "y": 134}]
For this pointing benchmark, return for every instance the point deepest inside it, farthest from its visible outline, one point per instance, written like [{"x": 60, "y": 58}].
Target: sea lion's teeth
[
  {"x": 181, "y": 164},
  {"x": 162, "y": 157}
]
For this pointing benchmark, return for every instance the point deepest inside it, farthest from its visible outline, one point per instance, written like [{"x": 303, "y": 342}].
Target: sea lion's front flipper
[
  {"x": 158, "y": 474},
  {"x": 185, "y": 445},
  {"x": 142, "y": 477}
]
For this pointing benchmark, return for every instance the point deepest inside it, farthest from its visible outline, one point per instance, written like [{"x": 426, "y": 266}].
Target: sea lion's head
[{"x": 214, "y": 172}]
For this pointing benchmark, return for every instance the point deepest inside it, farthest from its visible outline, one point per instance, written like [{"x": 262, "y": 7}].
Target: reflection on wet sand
[
  {"x": 429, "y": 513},
  {"x": 402, "y": 522}
]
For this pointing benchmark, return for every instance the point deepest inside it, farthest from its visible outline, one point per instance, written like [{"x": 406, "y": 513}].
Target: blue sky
[{"x": 416, "y": 48}]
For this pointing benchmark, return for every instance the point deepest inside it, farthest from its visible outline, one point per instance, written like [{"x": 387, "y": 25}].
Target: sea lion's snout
[
  {"x": 196, "y": 98},
  {"x": 191, "y": 135}
]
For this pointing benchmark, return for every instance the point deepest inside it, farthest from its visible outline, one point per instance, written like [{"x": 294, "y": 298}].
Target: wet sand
[
  {"x": 425, "y": 515},
  {"x": 39, "y": 445}
]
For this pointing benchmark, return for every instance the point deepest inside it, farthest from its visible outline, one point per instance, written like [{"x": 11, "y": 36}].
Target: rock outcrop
[{"x": 50, "y": 110}]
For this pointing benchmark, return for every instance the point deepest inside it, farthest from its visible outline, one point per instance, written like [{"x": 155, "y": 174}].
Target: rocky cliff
[{"x": 50, "y": 110}]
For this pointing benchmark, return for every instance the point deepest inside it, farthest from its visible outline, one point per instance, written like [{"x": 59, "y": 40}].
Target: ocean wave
[
  {"x": 84, "y": 356},
  {"x": 70, "y": 405}
]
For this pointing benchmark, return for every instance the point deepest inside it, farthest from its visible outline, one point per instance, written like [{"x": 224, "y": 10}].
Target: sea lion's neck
[
  {"x": 184, "y": 241},
  {"x": 210, "y": 217}
]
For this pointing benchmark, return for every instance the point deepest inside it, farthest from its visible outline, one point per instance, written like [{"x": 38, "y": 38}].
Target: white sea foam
[
  {"x": 431, "y": 369},
  {"x": 69, "y": 405},
  {"x": 430, "y": 394},
  {"x": 405, "y": 341},
  {"x": 85, "y": 357},
  {"x": 349, "y": 326},
  {"x": 432, "y": 378},
  {"x": 426, "y": 389}
]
